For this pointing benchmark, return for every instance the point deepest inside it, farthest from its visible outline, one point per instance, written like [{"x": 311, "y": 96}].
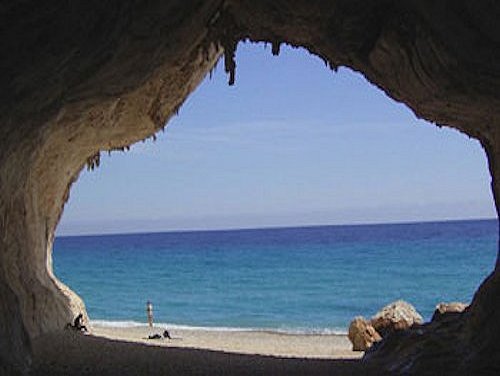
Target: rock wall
[
  {"x": 83, "y": 77},
  {"x": 65, "y": 97}
]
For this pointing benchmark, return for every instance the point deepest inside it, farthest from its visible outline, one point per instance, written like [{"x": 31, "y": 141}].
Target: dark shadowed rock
[{"x": 362, "y": 334}]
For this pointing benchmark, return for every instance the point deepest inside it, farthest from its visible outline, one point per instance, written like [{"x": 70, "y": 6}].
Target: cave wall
[
  {"x": 84, "y": 77},
  {"x": 66, "y": 99}
]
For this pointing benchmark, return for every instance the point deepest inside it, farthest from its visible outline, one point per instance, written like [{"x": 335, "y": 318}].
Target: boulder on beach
[
  {"x": 362, "y": 334},
  {"x": 445, "y": 309},
  {"x": 398, "y": 315}
]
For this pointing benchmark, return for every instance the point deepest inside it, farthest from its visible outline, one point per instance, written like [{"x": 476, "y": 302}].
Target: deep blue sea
[{"x": 310, "y": 279}]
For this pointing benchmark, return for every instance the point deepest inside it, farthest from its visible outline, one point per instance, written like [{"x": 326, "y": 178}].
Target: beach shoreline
[{"x": 255, "y": 342}]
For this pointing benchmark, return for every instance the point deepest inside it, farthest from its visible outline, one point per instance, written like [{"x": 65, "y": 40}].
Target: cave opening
[
  {"x": 82, "y": 78},
  {"x": 303, "y": 171}
]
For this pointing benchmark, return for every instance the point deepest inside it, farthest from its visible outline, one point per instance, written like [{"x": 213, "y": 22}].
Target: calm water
[{"x": 297, "y": 279}]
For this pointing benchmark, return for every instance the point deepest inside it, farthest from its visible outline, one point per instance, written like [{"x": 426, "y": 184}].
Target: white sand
[{"x": 243, "y": 342}]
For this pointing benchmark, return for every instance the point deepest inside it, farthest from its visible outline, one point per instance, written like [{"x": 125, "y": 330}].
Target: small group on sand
[
  {"x": 149, "y": 311},
  {"x": 78, "y": 324},
  {"x": 166, "y": 334}
]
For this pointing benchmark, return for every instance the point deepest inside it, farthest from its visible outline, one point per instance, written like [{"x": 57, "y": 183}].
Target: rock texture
[
  {"x": 83, "y": 77},
  {"x": 446, "y": 309},
  {"x": 362, "y": 334},
  {"x": 398, "y": 315}
]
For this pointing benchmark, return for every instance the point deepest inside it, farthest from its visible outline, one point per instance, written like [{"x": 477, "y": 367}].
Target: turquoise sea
[{"x": 307, "y": 279}]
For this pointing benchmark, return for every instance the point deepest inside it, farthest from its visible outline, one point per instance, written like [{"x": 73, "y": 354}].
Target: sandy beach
[
  {"x": 243, "y": 342},
  {"x": 127, "y": 351}
]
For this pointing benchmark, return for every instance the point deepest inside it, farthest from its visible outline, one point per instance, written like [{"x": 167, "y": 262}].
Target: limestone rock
[
  {"x": 398, "y": 315},
  {"x": 445, "y": 309},
  {"x": 108, "y": 74},
  {"x": 362, "y": 334}
]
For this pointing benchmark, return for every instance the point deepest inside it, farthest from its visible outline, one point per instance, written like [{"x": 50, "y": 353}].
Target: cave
[{"x": 84, "y": 77}]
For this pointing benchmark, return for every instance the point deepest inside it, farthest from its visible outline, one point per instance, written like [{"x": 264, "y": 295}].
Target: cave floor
[{"x": 75, "y": 354}]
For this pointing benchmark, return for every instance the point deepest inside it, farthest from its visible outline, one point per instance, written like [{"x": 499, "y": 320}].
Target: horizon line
[{"x": 278, "y": 227}]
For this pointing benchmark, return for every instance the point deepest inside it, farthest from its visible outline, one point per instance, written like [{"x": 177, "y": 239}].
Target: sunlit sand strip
[{"x": 332, "y": 346}]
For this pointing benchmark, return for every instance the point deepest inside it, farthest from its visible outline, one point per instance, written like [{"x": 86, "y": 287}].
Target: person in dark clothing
[
  {"x": 166, "y": 334},
  {"x": 78, "y": 324}
]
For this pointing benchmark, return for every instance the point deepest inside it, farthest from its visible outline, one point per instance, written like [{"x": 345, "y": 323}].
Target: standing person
[{"x": 149, "y": 311}]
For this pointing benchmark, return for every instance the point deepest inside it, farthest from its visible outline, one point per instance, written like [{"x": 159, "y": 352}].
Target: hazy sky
[{"x": 292, "y": 143}]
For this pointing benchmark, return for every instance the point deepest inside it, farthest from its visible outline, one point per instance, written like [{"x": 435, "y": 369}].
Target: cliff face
[{"x": 83, "y": 77}]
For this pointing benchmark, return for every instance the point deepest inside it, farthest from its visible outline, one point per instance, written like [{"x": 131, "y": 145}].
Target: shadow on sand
[{"x": 73, "y": 354}]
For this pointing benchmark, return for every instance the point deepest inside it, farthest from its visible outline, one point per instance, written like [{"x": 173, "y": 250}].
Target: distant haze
[{"x": 292, "y": 143}]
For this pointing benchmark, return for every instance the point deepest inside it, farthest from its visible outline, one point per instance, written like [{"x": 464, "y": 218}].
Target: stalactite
[
  {"x": 229, "y": 61},
  {"x": 224, "y": 33},
  {"x": 213, "y": 69},
  {"x": 275, "y": 49},
  {"x": 94, "y": 161}
]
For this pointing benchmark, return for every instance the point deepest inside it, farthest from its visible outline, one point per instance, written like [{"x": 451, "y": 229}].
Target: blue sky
[{"x": 292, "y": 143}]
